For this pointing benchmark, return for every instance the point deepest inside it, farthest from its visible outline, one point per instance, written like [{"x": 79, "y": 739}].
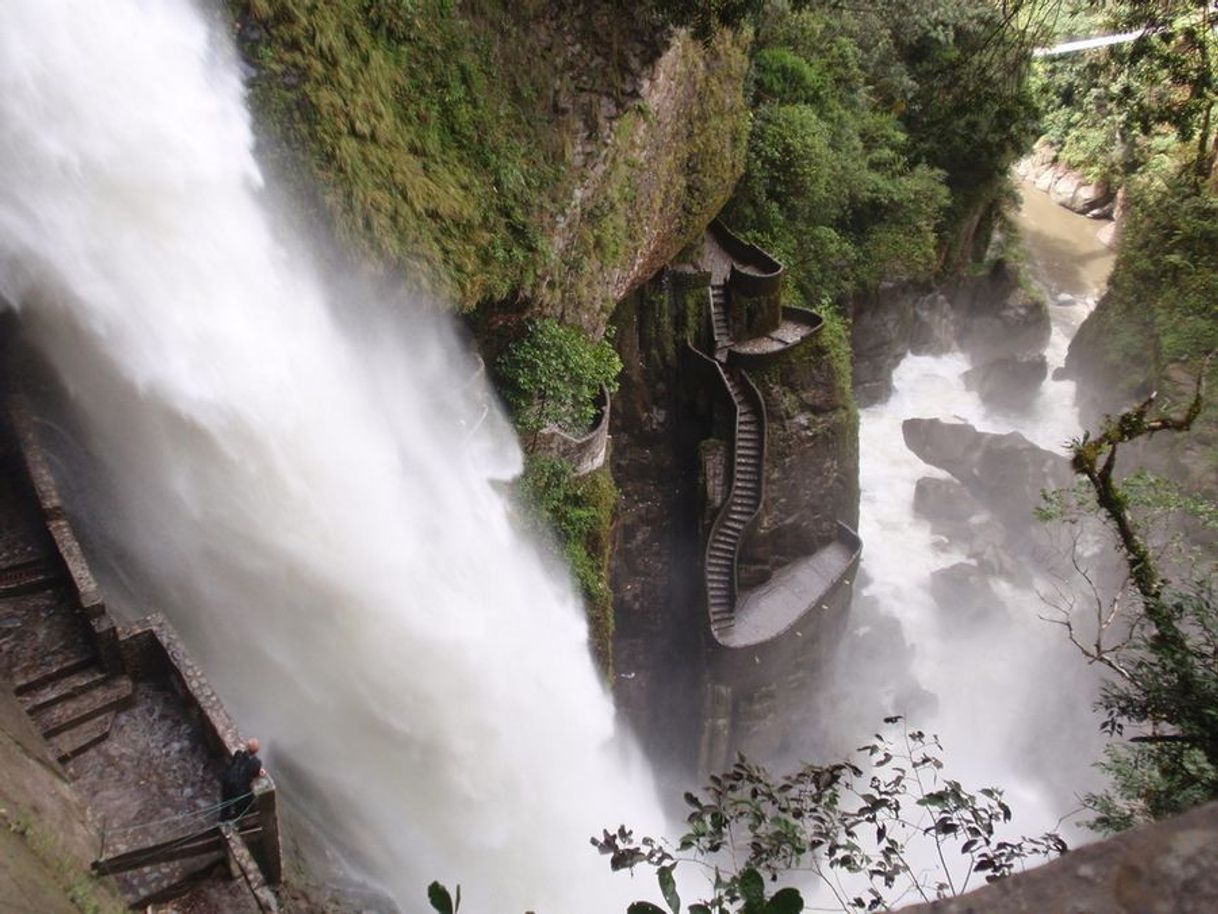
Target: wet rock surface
[
  {"x": 999, "y": 318},
  {"x": 946, "y": 503},
  {"x": 1008, "y": 382},
  {"x": 1006, "y": 473},
  {"x": 965, "y": 595},
  {"x": 1169, "y": 867}
]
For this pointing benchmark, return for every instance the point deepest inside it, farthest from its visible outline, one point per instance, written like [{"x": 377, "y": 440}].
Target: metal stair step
[{"x": 110, "y": 695}]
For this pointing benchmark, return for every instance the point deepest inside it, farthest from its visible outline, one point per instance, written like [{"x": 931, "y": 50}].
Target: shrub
[{"x": 552, "y": 375}]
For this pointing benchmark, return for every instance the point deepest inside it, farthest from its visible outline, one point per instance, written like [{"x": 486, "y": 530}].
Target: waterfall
[{"x": 298, "y": 488}]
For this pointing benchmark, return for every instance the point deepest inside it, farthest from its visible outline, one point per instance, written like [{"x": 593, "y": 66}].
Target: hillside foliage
[{"x": 880, "y": 135}]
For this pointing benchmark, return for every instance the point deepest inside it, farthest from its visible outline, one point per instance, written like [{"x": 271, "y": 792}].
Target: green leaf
[
  {"x": 752, "y": 886},
  {"x": 440, "y": 899},
  {"x": 699, "y": 909},
  {"x": 785, "y": 901},
  {"x": 668, "y": 888},
  {"x": 644, "y": 907}
]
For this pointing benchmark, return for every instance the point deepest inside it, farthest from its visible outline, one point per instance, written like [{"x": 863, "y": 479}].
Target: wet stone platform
[{"x": 134, "y": 750}]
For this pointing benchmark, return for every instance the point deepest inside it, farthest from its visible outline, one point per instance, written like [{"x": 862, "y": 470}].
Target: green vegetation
[
  {"x": 1139, "y": 116},
  {"x": 431, "y": 144},
  {"x": 853, "y": 825},
  {"x": 82, "y": 890},
  {"x": 578, "y": 512},
  {"x": 456, "y": 143},
  {"x": 553, "y": 375},
  {"x": 1130, "y": 108},
  {"x": 1164, "y": 661},
  {"x": 879, "y": 139}
]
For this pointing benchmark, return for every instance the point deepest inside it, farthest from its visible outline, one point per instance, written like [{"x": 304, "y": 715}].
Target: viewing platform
[{"x": 139, "y": 733}]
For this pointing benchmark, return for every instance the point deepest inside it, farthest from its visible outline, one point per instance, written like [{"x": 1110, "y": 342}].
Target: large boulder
[
  {"x": 965, "y": 595},
  {"x": 1008, "y": 382},
  {"x": 944, "y": 502},
  {"x": 1006, "y": 473},
  {"x": 886, "y": 324},
  {"x": 1000, "y": 318},
  {"x": 880, "y": 328}
]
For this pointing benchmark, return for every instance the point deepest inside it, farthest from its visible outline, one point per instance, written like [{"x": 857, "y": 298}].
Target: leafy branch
[{"x": 856, "y": 826}]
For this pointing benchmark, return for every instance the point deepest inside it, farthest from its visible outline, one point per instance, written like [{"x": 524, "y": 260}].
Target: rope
[
  {"x": 198, "y": 813},
  {"x": 136, "y": 861}
]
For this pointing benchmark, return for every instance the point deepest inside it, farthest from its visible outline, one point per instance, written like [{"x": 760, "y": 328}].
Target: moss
[
  {"x": 430, "y": 130},
  {"x": 661, "y": 181},
  {"x": 578, "y": 512},
  {"x": 440, "y": 139}
]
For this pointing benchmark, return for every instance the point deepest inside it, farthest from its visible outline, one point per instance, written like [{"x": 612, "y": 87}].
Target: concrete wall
[{"x": 45, "y": 843}]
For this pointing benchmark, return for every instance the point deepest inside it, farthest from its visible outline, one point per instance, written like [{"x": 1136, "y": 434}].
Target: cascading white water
[
  {"x": 1011, "y": 698},
  {"x": 301, "y": 495}
]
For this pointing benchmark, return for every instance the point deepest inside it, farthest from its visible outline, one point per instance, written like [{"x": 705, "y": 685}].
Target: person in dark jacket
[{"x": 237, "y": 781}]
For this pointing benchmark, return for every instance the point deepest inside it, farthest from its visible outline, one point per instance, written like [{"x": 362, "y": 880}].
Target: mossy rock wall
[
  {"x": 555, "y": 154},
  {"x": 670, "y": 166},
  {"x": 1153, "y": 327}
]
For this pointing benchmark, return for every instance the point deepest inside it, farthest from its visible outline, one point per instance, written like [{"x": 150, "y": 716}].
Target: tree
[
  {"x": 857, "y": 826},
  {"x": 1113, "y": 111},
  {"x": 1164, "y": 690}
]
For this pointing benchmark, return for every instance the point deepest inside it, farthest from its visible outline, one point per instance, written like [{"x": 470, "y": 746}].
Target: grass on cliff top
[{"x": 431, "y": 132}]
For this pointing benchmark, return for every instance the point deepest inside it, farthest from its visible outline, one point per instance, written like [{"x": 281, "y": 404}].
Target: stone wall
[
  {"x": 811, "y": 472},
  {"x": 761, "y": 700},
  {"x": 586, "y": 453}
]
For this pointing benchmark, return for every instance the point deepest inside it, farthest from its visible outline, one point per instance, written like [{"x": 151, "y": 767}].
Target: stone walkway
[
  {"x": 785, "y": 334},
  {"x": 134, "y": 751},
  {"x": 773, "y": 607}
]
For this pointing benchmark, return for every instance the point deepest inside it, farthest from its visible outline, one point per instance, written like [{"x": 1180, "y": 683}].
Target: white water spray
[
  {"x": 302, "y": 497},
  {"x": 1012, "y": 699}
]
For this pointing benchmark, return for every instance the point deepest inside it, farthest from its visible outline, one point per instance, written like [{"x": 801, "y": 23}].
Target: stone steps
[
  {"x": 75, "y": 740},
  {"x": 57, "y": 665},
  {"x": 110, "y": 694},
  {"x": 61, "y": 689},
  {"x": 27, "y": 577}
]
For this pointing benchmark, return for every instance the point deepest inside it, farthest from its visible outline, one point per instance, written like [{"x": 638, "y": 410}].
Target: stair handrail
[{"x": 755, "y": 395}]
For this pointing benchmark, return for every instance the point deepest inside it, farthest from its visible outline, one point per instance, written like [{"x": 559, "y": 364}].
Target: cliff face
[
  {"x": 1150, "y": 331},
  {"x": 550, "y": 159},
  {"x": 555, "y": 154},
  {"x": 811, "y": 479},
  {"x": 666, "y": 168}
]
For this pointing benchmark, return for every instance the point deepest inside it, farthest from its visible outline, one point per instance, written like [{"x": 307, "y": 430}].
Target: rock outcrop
[
  {"x": 998, "y": 318},
  {"x": 1005, "y": 473},
  {"x": 1010, "y": 381},
  {"x": 1169, "y": 867},
  {"x": 1065, "y": 186},
  {"x": 1000, "y": 324}
]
